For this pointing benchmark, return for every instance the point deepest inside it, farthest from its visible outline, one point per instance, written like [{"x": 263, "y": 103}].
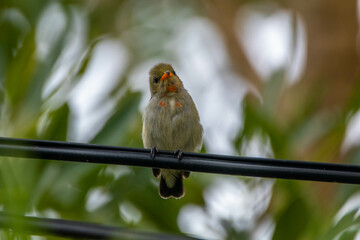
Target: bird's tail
[{"x": 172, "y": 186}]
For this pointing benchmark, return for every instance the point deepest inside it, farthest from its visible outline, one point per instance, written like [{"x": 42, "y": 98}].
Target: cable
[
  {"x": 210, "y": 163},
  {"x": 74, "y": 229}
]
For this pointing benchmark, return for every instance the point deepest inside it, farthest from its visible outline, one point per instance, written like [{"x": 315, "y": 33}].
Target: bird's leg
[
  {"x": 154, "y": 150},
  {"x": 179, "y": 154}
]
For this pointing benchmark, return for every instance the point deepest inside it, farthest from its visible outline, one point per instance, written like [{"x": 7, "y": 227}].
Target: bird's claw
[
  {"x": 153, "y": 152},
  {"x": 179, "y": 154}
]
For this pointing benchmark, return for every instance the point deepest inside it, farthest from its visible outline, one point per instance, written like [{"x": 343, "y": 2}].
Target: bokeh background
[{"x": 274, "y": 78}]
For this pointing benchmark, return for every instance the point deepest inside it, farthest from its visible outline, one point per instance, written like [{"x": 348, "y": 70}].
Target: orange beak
[{"x": 166, "y": 75}]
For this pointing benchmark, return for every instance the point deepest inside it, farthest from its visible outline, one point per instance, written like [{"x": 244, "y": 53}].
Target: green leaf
[
  {"x": 125, "y": 118},
  {"x": 57, "y": 126},
  {"x": 20, "y": 70},
  {"x": 346, "y": 228},
  {"x": 292, "y": 222}
]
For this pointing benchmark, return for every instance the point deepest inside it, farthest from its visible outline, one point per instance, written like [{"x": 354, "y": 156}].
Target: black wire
[
  {"x": 74, "y": 229},
  {"x": 210, "y": 163}
]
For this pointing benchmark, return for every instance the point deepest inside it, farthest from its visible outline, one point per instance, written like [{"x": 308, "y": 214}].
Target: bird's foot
[
  {"x": 179, "y": 154},
  {"x": 154, "y": 150}
]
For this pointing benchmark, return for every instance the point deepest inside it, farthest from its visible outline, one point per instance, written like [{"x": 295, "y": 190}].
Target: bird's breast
[{"x": 171, "y": 105}]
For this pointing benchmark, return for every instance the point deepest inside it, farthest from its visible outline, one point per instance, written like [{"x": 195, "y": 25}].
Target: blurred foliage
[{"x": 306, "y": 120}]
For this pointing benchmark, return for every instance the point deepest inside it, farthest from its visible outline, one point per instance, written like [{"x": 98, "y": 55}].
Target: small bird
[{"x": 170, "y": 122}]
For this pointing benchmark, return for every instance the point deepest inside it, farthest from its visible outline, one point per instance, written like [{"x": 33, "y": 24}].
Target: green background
[{"x": 307, "y": 120}]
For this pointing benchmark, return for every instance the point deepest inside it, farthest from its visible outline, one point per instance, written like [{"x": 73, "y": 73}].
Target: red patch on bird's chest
[
  {"x": 162, "y": 104},
  {"x": 171, "y": 88}
]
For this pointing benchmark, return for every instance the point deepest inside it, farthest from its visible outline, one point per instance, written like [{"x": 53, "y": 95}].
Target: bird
[{"x": 170, "y": 122}]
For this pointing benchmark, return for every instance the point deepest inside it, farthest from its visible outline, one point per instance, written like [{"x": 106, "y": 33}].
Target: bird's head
[{"x": 164, "y": 81}]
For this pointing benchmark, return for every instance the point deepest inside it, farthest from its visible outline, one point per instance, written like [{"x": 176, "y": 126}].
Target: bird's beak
[{"x": 166, "y": 75}]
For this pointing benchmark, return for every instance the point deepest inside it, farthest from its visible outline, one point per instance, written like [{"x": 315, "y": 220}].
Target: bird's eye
[
  {"x": 155, "y": 79},
  {"x": 174, "y": 72}
]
